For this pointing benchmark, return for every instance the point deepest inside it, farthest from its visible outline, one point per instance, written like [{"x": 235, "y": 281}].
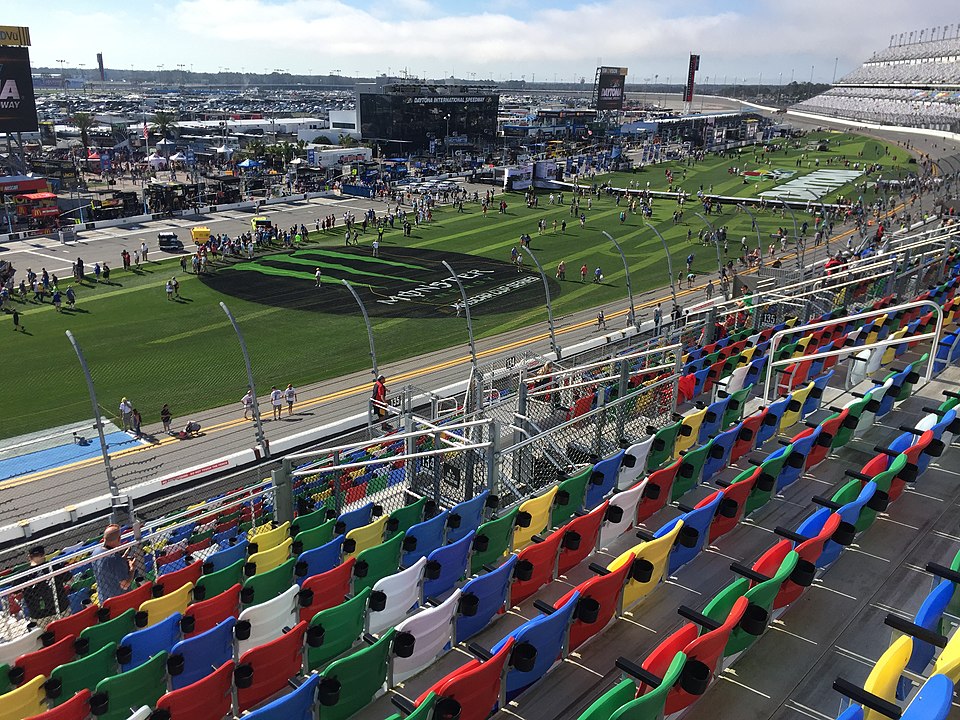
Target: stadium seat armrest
[
  {"x": 867, "y": 699},
  {"x": 631, "y": 668},
  {"x": 697, "y": 617},
  {"x": 913, "y": 630},
  {"x": 824, "y": 502},
  {"x": 749, "y": 573},
  {"x": 790, "y": 534},
  {"x": 943, "y": 571}
]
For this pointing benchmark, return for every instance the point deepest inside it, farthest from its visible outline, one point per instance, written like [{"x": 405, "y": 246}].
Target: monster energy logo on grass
[{"x": 402, "y": 282}]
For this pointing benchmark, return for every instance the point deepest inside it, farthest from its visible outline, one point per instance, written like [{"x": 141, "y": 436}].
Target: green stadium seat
[
  {"x": 111, "y": 631},
  {"x": 348, "y": 684},
  {"x": 570, "y": 496},
  {"x": 143, "y": 685},
  {"x": 493, "y": 541},
  {"x": 374, "y": 564},
  {"x": 215, "y": 583},
  {"x": 335, "y": 630},
  {"x": 70, "y": 678},
  {"x": 266, "y": 586}
]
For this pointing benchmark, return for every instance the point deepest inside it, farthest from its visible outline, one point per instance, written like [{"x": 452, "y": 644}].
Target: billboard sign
[
  {"x": 691, "y": 76},
  {"x": 610, "y": 83},
  {"x": 18, "y": 109},
  {"x": 14, "y": 35}
]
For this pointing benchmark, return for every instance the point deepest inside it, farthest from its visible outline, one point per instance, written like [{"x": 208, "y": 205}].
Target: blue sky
[{"x": 499, "y": 39}]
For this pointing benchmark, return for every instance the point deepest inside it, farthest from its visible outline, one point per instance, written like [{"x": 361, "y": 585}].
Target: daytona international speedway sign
[
  {"x": 402, "y": 282},
  {"x": 813, "y": 186}
]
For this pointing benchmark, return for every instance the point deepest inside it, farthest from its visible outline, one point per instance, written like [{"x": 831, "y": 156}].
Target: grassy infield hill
[{"x": 185, "y": 353}]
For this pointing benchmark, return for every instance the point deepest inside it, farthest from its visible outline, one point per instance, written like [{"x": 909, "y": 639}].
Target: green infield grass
[{"x": 154, "y": 351}]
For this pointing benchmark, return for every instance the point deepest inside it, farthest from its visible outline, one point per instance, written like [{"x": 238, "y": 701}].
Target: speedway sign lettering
[{"x": 18, "y": 109}]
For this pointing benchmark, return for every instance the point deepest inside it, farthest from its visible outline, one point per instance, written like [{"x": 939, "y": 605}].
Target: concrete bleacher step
[{"x": 836, "y": 628}]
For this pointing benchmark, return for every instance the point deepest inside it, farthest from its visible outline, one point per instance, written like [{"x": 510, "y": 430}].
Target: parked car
[{"x": 169, "y": 242}]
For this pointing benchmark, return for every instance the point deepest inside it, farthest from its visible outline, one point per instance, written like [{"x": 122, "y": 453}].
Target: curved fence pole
[
  {"x": 546, "y": 292},
  {"x": 466, "y": 311},
  {"x": 366, "y": 321},
  {"x": 257, "y": 421},
  {"x": 626, "y": 272},
  {"x": 800, "y": 247},
  {"x": 666, "y": 250},
  {"x": 98, "y": 423}
]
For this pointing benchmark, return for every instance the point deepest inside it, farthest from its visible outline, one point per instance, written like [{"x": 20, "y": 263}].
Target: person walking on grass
[
  {"x": 16, "y": 322},
  {"x": 290, "y": 395},
  {"x": 276, "y": 400}
]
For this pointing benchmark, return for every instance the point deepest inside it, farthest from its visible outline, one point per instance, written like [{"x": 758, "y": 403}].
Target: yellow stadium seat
[
  {"x": 266, "y": 539},
  {"x": 689, "y": 430},
  {"x": 366, "y": 537},
  {"x": 948, "y": 662},
  {"x": 164, "y": 606},
  {"x": 269, "y": 559},
  {"x": 539, "y": 510},
  {"x": 791, "y": 415},
  {"x": 26, "y": 701},
  {"x": 882, "y": 680},
  {"x": 652, "y": 558}
]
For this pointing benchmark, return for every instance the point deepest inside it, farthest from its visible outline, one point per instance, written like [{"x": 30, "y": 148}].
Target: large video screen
[
  {"x": 18, "y": 109},
  {"x": 418, "y": 119},
  {"x": 610, "y": 85}
]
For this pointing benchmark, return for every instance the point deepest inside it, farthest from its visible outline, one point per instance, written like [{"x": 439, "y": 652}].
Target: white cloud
[{"x": 498, "y": 39}]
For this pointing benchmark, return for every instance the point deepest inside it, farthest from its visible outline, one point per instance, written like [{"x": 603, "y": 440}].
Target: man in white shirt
[
  {"x": 247, "y": 402},
  {"x": 290, "y": 395},
  {"x": 126, "y": 414},
  {"x": 276, "y": 400}
]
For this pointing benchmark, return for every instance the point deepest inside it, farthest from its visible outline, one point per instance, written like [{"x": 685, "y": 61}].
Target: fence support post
[
  {"x": 98, "y": 423},
  {"x": 622, "y": 390},
  {"x": 493, "y": 483},
  {"x": 283, "y": 493},
  {"x": 437, "y": 468},
  {"x": 546, "y": 293},
  {"x": 257, "y": 421},
  {"x": 366, "y": 321}
]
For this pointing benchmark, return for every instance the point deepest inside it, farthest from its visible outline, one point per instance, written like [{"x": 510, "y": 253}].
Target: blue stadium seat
[
  {"x": 196, "y": 657},
  {"x": 603, "y": 479},
  {"x": 482, "y": 598},
  {"x": 713, "y": 420},
  {"x": 812, "y": 403},
  {"x": 354, "y": 518},
  {"x": 693, "y": 534},
  {"x": 771, "y": 422},
  {"x": 446, "y": 566},
  {"x": 225, "y": 557},
  {"x": 297, "y": 705},
  {"x": 543, "y": 637},
  {"x": 139, "y": 646},
  {"x": 719, "y": 455},
  {"x": 423, "y": 538},
  {"x": 465, "y": 517},
  {"x": 319, "y": 560}
]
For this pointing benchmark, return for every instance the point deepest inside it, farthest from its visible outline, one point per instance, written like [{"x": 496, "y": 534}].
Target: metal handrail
[
  {"x": 601, "y": 382},
  {"x": 775, "y": 340},
  {"x": 389, "y": 460}
]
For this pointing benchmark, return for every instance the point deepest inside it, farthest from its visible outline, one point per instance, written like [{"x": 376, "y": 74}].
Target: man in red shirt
[{"x": 380, "y": 398}]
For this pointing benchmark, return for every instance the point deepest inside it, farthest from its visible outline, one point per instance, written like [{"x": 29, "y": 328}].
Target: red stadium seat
[
  {"x": 208, "y": 613},
  {"x": 206, "y": 699},
  {"x": 580, "y": 538},
  {"x": 73, "y": 624},
  {"x": 657, "y": 493},
  {"x": 76, "y": 708},
  {"x": 325, "y": 590},
  {"x": 264, "y": 670},
  {"x": 475, "y": 687},
  {"x": 41, "y": 662},
  {"x": 599, "y": 600},
  {"x": 131, "y": 600},
  {"x": 175, "y": 580},
  {"x": 536, "y": 565}
]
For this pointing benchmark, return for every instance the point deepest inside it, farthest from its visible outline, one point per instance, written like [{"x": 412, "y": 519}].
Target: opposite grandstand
[{"x": 910, "y": 85}]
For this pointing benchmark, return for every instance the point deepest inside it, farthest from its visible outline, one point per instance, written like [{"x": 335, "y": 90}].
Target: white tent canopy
[
  {"x": 178, "y": 157},
  {"x": 224, "y": 150},
  {"x": 164, "y": 142},
  {"x": 156, "y": 160}
]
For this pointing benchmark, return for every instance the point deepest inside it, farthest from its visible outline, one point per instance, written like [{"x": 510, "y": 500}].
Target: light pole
[
  {"x": 666, "y": 250},
  {"x": 546, "y": 292},
  {"x": 446, "y": 138},
  {"x": 626, "y": 272}
]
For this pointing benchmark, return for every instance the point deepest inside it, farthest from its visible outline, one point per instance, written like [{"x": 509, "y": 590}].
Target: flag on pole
[{"x": 146, "y": 133}]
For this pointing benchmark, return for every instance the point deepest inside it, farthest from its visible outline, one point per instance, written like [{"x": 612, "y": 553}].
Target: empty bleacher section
[
  {"x": 914, "y": 85},
  {"x": 532, "y": 549}
]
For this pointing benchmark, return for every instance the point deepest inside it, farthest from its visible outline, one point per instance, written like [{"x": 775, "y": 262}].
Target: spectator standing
[
  {"x": 38, "y": 598},
  {"x": 137, "y": 420},
  {"x": 143, "y": 250},
  {"x": 583, "y": 272},
  {"x": 380, "y": 398},
  {"x": 126, "y": 414},
  {"x": 657, "y": 319},
  {"x": 318, "y": 275},
  {"x": 276, "y": 400},
  {"x": 16, "y": 321},
  {"x": 247, "y": 402},
  {"x": 166, "y": 417},
  {"x": 290, "y": 395},
  {"x": 113, "y": 572}
]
